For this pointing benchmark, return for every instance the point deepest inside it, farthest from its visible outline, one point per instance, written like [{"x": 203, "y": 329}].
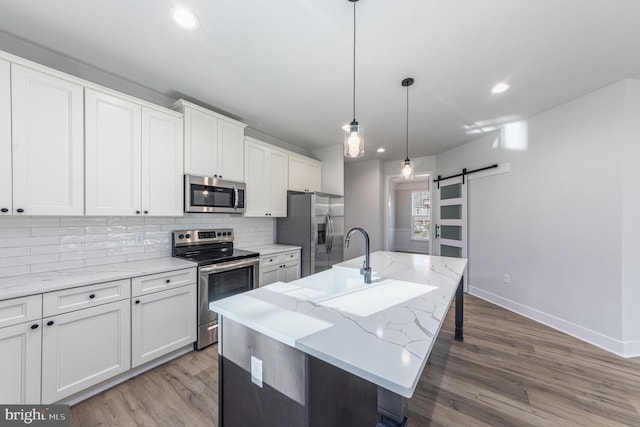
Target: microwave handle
[{"x": 236, "y": 197}]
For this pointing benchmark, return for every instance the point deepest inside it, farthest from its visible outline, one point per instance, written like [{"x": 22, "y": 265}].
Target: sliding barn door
[{"x": 451, "y": 220}]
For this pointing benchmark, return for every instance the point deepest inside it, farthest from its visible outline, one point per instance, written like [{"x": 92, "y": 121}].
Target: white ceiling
[{"x": 285, "y": 67}]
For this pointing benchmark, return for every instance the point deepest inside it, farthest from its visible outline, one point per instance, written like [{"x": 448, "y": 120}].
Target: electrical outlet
[
  {"x": 256, "y": 371},
  {"x": 507, "y": 279},
  {"x": 139, "y": 238}
]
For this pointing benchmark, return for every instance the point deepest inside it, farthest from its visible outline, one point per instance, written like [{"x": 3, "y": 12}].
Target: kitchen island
[{"x": 328, "y": 349}]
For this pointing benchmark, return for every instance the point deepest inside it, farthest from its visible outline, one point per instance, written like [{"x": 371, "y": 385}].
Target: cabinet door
[
  {"x": 256, "y": 169},
  {"x": 20, "y": 368},
  {"x": 83, "y": 348},
  {"x": 162, "y": 322},
  {"x": 314, "y": 176},
  {"x": 279, "y": 172},
  {"x": 48, "y": 157},
  {"x": 230, "y": 151},
  {"x": 297, "y": 174},
  {"x": 6, "y": 206},
  {"x": 113, "y": 162},
  {"x": 269, "y": 275},
  {"x": 200, "y": 143},
  {"x": 290, "y": 271},
  {"x": 162, "y": 176}
]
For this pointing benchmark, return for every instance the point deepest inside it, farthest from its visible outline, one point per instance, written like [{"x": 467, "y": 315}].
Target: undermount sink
[
  {"x": 344, "y": 289},
  {"x": 376, "y": 297}
]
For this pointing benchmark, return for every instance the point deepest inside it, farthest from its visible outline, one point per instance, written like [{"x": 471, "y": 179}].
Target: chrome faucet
[{"x": 366, "y": 266}]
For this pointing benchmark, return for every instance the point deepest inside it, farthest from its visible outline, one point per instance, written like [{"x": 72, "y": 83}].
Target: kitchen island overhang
[{"x": 381, "y": 333}]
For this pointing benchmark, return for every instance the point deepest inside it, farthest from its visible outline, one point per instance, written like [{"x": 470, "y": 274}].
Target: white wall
[
  {"x": 36, "y": 244},
  {"x": 630, "y": 220},
  {"x": 555, "y": 222},
  {"x": 363, "y": 204}
]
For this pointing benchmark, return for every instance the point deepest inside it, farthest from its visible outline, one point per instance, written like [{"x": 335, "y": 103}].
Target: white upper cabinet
[
  {"x": 47, "y": 143},
  {"x": 6, "y": 189},
  {"x": 266, "y": 170},
  {"x": 113, "y": 155},
  {"x": 162, "y": 182},
  {"x": 305, "y": 174},
  {"x": 213, "y": 143},
  {"x": 133, "y": 158}
]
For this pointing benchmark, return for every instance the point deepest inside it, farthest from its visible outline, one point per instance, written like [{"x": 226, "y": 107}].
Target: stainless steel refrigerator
[{"x": 315, "y": 221}]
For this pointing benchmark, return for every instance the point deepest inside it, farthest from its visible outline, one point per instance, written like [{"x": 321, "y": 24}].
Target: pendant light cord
[
  {"x": 354, "y": 60},
  {"x": 407, "y": 123}
]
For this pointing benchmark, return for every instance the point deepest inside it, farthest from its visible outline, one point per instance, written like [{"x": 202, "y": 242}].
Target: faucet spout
[{"x": 366, "y": 266}]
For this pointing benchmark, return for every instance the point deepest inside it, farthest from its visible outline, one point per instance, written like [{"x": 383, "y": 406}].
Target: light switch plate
[{"x": 256, "y": 371}]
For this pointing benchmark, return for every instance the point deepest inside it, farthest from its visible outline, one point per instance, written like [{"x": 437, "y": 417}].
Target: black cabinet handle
[
  {"x": 34, "y": 326},
  {"x": 19, "y": 210},
  {"x": 4, "y": 210},
  {"x": 437, "y": 231},
  {"x": 146, "y": 212},
  {"x": 50, "y": 322},
  {"x": 92, "y": 296},
  {"x": 138, "y": 212},
  {"x": 137, "y": 301},
  {"x": 168, "y": 281}
]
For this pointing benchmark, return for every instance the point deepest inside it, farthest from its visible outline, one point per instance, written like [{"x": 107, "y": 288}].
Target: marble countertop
[
  {"x": 271, "y": 249},
  {"x": 31, "y": 284},
  {"x": 382, "y": 332}
]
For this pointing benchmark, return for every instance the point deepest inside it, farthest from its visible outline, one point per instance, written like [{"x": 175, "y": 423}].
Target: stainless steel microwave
[{"x": 211, "y": 194}]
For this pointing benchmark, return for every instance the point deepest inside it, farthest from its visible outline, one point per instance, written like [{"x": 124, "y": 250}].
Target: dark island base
[{"x": 334, "y": 398}]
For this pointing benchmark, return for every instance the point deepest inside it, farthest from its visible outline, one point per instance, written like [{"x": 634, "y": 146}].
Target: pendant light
[
  {"x": 354, "y": 132},
  {"x": 407, "y": 166}
]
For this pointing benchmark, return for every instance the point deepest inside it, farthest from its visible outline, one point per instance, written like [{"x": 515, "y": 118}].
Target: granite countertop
[
  {"x": 31, "y": 284},
  {"x": 271, "y": 249},
  {"x": 382, "y": 332}
]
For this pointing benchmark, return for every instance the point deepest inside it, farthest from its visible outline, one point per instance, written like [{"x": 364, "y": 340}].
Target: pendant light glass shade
[
  {"x": 406, "y": 168},
  {"x": 353, "y": 132},
  {"x": 353, "y": 140}
]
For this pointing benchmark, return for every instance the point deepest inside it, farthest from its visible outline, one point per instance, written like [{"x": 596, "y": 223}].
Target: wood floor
[{"x": 509, "y": 371}]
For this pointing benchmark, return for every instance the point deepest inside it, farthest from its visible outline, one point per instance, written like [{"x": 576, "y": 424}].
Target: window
[{"x": 420, "y": 215}]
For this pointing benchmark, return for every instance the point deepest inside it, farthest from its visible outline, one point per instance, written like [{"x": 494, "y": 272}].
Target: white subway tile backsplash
[
  {"x": 14, "y": 232},
  {"x": 38, "y": 244},
  {"x": 104, "y": 260},
  {"x": 82, "y": 221}
]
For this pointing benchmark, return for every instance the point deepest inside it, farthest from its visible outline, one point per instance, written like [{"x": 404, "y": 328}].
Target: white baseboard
[{"x": 612, "y": 345}]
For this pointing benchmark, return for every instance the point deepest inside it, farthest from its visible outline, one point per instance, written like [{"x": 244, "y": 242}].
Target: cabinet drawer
[
  {"x": 19, "y": 310},
  {"x": 159, "y": 282},
  {"x": 290, "y": 256},
  {"x": 85, "y": 296},
  {"x": 267, "y": 260}
]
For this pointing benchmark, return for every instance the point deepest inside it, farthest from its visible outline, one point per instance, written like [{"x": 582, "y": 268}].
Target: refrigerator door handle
[{"x": 329, "y": 233}]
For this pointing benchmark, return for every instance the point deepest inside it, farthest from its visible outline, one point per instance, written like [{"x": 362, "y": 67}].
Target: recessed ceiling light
[
  {"x": 184, "y": 18},
  {"x": 500, "y": 88},
  {"x": 380, "y": 150}
]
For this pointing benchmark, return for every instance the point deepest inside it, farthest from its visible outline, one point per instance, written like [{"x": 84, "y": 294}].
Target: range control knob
[
  {"x": 181, "y": 236},
  {"x": 188, "y": 236},
  {"x": 219, "y": 234}
]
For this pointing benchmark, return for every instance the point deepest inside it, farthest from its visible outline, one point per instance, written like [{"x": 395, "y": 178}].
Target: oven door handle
[{"x": 227, "y": 266}]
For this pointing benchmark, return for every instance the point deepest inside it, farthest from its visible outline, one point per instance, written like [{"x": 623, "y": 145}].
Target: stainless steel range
[{"x": 222, "y": 271}]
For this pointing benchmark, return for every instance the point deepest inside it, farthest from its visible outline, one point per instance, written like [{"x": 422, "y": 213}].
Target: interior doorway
[{"x": 408, "y": 214}]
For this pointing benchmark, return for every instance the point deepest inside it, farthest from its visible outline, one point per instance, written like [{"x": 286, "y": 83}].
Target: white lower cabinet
[
  {"x": 20, "y": 367},
  {"x": 20, "y": 344},
  {"x": 83, "y": 348},
  {"x": 162, "y": 322},
  {"x": 279, "y": 267}
]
